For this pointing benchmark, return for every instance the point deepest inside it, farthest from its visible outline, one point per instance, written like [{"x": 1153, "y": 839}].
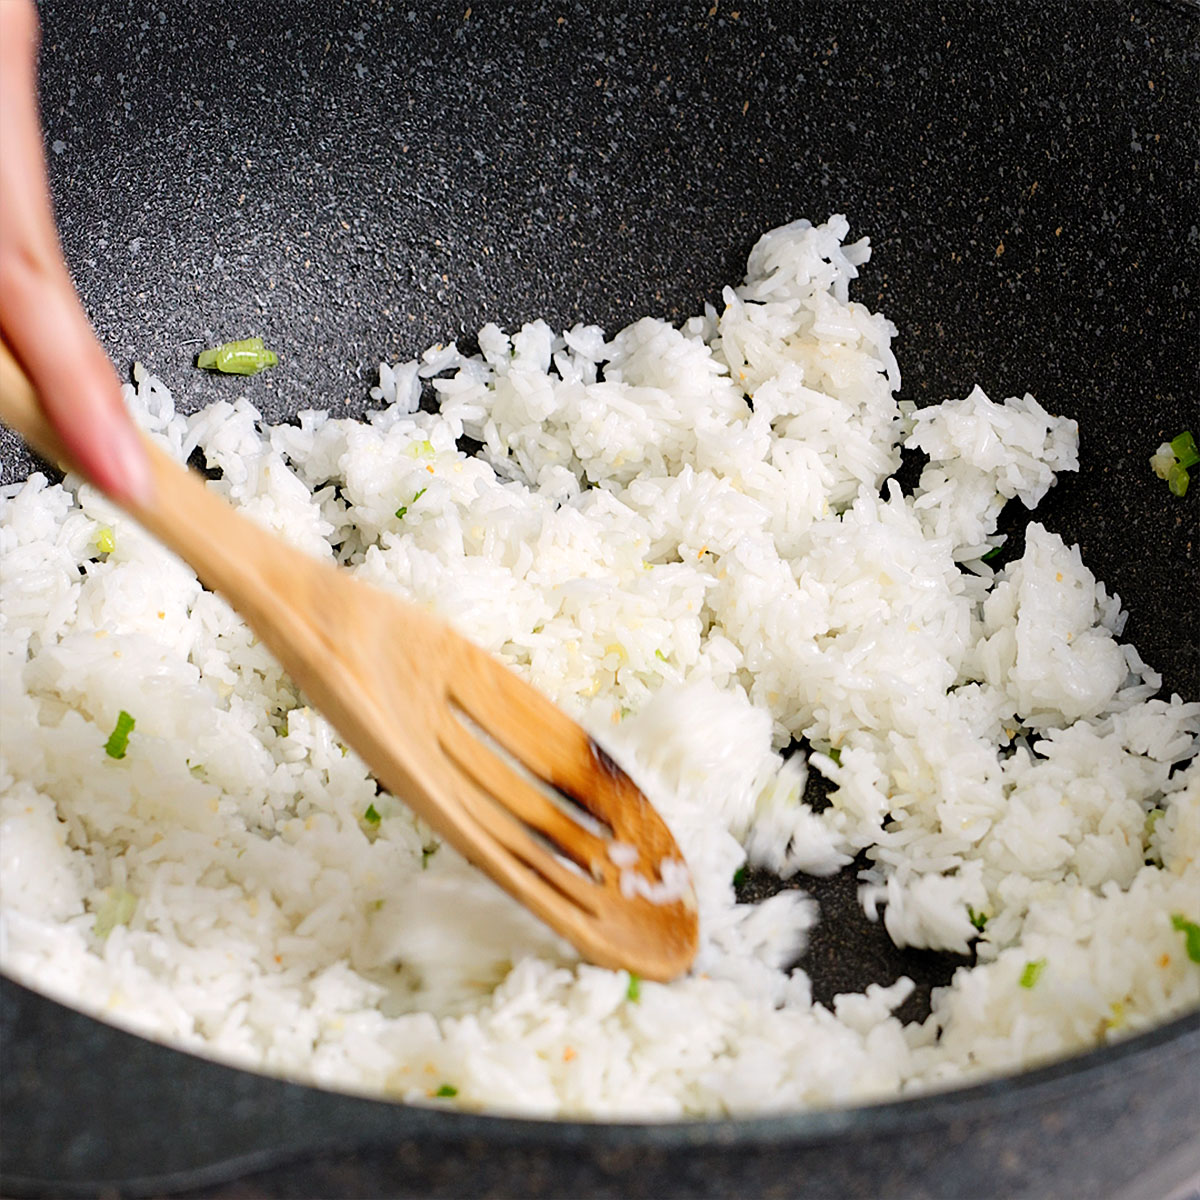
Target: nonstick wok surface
[{"x": 357, "y": 181}]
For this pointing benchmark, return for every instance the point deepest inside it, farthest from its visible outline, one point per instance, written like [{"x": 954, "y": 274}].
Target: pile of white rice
[{"x": 687, "y": 537}]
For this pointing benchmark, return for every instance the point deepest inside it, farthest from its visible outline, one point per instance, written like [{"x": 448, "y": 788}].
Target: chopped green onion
[
  {"x": 117, "y": 909},
  {"x": 371, "y": 816},
  {"x": 1032, "y": 973},
  {"x": 1152, "y": 819},
  {"x": 420, "y": 449},
  {"x": 633, "y": 992},
  {"x": 447, "y": 1090},
  {"x": 739, "y": 876},
  {"x": 1162, "y": 460},
  {"x": 247, "y": 357},
  {"x": 118, "y": 740},
  {"x": 1184, "y": 448},
  {"x": 992, "y": 553},
  {"x": 1172, "y": 459},
  {"x": 836, "y": 755},
  {"x": 105, "y": 542},
  {"x": 660, "y": 655},
  {"x": 405, "y": 507},
  {"x": 1177, "y": 480},
  {"x": 978, "y": 919},
  {"x": 1191, "y": 933}
]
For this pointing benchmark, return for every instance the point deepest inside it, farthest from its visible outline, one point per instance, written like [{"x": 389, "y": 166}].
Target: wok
[{"x": 355, "y": 181}]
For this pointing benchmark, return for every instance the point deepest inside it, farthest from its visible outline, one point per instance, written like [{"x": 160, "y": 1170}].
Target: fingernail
[{"x": 131, "y": 465}]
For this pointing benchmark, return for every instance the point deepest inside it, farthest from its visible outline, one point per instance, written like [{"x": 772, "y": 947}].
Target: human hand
[{"x": 41, "y": 317}]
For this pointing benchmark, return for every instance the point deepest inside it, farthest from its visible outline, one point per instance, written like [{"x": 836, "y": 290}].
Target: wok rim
[{"x": 991, "y": 1097}]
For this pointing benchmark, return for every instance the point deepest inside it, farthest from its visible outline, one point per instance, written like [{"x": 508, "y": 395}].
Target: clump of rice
[{"x": 690, "y": 539}]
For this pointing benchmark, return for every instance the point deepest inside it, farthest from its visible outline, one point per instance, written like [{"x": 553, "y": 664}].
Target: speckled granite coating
[{"x": 357, "y": 180}]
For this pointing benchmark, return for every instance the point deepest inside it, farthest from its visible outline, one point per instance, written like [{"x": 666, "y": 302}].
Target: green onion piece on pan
[
  {"x": 633, "y": 992},
  {"x": 1177, "y": 480},
  {"x": 371, "y": 816},
  {"x": 1191, "y": 933},
  {"x": 447, "y": 1090},
  {"x": 1032, "y": 973},
  {"x": 247, "y": 357},
  {"x": 1184, "y": 448},
  {"x": 1162, "y": 460},
  {"x": 118, "y": 740}
]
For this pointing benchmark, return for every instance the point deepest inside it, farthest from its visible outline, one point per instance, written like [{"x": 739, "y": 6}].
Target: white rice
[{"x": 700, "y": 582}]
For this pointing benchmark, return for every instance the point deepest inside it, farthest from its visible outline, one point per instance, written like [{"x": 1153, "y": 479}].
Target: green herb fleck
[
  {"x": 633, "y": 993},
  {"x": 447, "y": 1090},
  {"x": 1191, "y": 933},
  {"x": 117, "y": 909},
  {"x": 376, "y": 905},
  {"x": 371, "y": 816},
  {"x": 245, "y": 357},
  {"x": 992, "y": 553},
  {"x": 739, "y": 877},
  {"x": 427, "y": 852},
  {"x": 1172, "y": 459},
  {"x": 118, "y": 740},
  {"x": 978, "y": 919},
  {"x": 420, "y": 449},
  {"x": 1185, "y": 450},
  {"x": 105, "y": 542},
  {"x": 1152, "y": 819},
  {"x": 660, "y": 656},
  {"x": 1178, "y": 480},
  {"x": 1032, "y": 973},
  {"x": 405, "y": 507},
  {"x": 836, "y": 755}
]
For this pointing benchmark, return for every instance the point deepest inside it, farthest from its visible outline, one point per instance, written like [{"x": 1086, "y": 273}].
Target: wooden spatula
[{"x": 443, "y": 725}]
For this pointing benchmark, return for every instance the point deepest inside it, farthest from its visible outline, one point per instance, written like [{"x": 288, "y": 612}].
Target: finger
[{"x": 40, "y": 315}]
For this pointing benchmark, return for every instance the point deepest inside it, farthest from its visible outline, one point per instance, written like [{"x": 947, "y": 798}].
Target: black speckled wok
[{"x": 357, "y": 180}]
